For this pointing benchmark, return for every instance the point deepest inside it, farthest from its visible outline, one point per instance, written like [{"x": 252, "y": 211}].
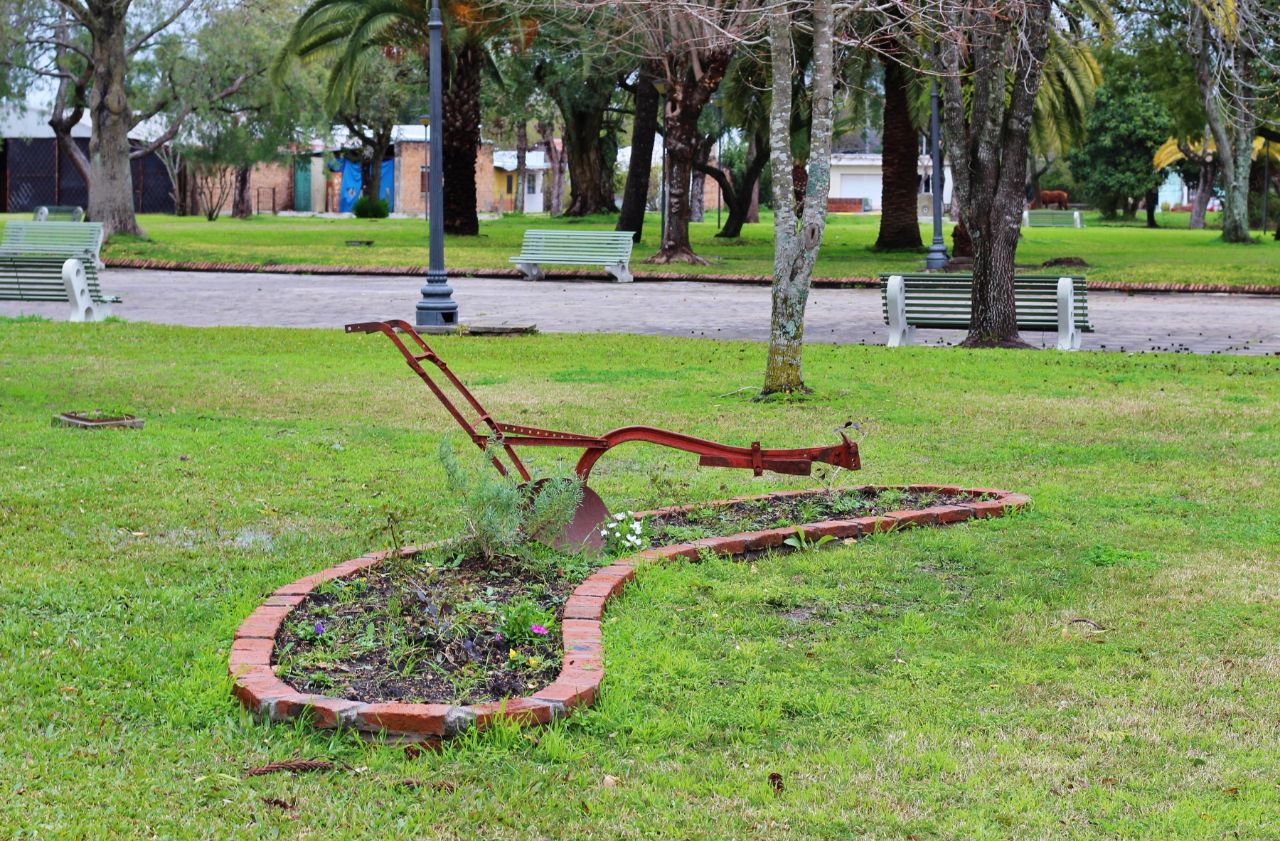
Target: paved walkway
[{"x": 1238, "y": 324}]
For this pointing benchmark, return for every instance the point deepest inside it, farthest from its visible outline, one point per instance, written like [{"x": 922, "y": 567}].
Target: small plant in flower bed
[
  {"x": 771, "y": 512},
  {"x": 475, "y": 620}
]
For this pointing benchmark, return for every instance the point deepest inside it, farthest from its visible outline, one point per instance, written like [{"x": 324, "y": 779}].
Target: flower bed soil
[
  {"x": 412, "y": 631},
  {"x": 281, "y": 638},
  {"x": 674, "y": 525}
]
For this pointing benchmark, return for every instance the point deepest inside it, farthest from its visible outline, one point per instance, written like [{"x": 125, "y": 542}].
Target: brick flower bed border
[
  {"x": 256, "y": 686},
  {"x": 642, "y": 276}
]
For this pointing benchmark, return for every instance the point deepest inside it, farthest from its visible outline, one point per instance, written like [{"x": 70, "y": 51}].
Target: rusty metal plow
[{"x": 500, "y": 440}]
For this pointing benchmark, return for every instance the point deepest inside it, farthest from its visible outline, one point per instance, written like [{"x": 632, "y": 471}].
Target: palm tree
[{"x": 348, "y": 32}]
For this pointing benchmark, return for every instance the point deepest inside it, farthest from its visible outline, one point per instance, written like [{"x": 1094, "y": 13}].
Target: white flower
[
  {"x": 619, "y": 517},
  {"x": 635, "y": 527},
  {"x": 604, "y": 532}
]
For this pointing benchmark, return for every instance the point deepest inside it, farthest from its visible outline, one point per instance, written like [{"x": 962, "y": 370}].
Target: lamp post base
[
  {"x": 437, "y": 307},
  {"x": 937, "y": 257}
]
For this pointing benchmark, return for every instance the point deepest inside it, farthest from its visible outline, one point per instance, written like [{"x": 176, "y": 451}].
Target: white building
[{"x": 860, "y": 175}]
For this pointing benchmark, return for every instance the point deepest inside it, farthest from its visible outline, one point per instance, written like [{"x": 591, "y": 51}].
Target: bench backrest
[
  {"x": 58, "y": 213},
  {"x": 1051, "y": 218},
  {"x": 73, "y": 239},
  {"x": 945, "y": 300},
  {"x": 606, "y": 247}
]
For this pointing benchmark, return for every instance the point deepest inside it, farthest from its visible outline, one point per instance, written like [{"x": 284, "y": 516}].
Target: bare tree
[{"x": 90, "y": 48}]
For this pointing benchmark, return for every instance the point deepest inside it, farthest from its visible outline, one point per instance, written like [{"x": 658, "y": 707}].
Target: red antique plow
[{"x": 500, "y": 440}]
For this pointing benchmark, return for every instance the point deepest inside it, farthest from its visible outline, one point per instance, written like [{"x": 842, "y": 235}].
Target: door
[{"x": 302, "y": 185}]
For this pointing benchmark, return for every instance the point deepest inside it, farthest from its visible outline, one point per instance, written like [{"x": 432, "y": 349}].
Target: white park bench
[
  {"x": 54, "y": 261},
  {"x": 943, "y": 301},
  {"x": 1052, "y": 219},
  {"x": 611, "y": 249}
]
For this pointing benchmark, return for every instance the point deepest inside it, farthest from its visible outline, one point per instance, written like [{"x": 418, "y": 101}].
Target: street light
[
  {"x": 436, "y": 309},
  {"x": 936, "y": 258}
]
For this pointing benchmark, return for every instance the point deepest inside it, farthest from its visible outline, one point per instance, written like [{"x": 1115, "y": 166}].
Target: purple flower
[
  {"x": 497, "y": 637},
  {"x": 319, "y": 629},
  {"x": 539, "y": 630}
]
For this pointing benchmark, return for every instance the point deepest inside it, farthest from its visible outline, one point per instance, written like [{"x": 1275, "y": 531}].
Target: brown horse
[{"x": 1053, "y": 197}]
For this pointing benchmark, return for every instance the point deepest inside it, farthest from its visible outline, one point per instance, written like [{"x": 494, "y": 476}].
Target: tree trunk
[
  {"x": 737, "y": 197},
  {"x": 987, "y": 135},
  {"x": 961, "y": 242},
  {"x": 460, "y": 135},
  {"x": 753, "y": 205},
  {"x": 589, "y": 146},
  {"x": 111, "y": 177},
  {"x": 689, "y": 88},
  {"x": 1235, "y": 205},
  {"x": 554, "y": 183},
  {"x": 635, "y": 195},
  {"x": 900, "y": 187},
  {"x": 1204, "y": 191},
  {"x": 1152, "y": 199},
  {"x": 1232, "y": 127},
  {"x": 698, "y": 188},
  {"x": 522, "y": 172},
  {"x": 797, "y": 238},
  {"x": 241, "y": 200}
]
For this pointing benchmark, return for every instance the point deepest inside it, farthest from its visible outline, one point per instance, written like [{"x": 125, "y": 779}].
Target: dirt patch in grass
[
  {"x": 430, "y": 630},
  {"x": 772, "y": 512}
]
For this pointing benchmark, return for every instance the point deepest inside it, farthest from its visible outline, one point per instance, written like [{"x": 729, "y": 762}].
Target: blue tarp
[{"x": 353, "y": 185}]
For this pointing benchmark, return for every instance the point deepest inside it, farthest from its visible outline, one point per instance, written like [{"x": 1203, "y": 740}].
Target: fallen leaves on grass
[
  {"x": 293, "y": 766},
  {"x": 775, "y": 780},
  {"x": 283, "y": 805}
]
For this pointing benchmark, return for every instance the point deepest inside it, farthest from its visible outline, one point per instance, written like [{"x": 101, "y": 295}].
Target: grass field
[
  {"x": 940, "y": 689},
  {"x": 1116, "y": 253}
]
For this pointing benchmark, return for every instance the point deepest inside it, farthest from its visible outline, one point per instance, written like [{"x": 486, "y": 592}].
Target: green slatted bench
[
  {"x": 611, "y": 249},
  {"x": 54, "y": 261},
  {"x": 943, "y": 301},
  {"x": 58, "y": 213},
  {"x": 1052, "y": 219}
]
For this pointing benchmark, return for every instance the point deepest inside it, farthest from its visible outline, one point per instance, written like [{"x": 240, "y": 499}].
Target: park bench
[
  {"x": 54, "y": 261},
  {"x": 58, "y": 213},
  {"x": 611, "y": 249},
  {"x": 943, "y": 301},
  {"x": 1052, "y": 219}
]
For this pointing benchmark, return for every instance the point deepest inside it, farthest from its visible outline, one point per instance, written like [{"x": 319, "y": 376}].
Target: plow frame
[{"x": 485, "y": 431}]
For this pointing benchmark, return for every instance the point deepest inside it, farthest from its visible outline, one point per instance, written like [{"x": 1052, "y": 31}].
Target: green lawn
[
  {"x": 1116, "y": 253},
  {"x": 940, "y": 688}
]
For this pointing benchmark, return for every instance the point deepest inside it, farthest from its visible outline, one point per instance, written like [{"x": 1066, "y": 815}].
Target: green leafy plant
[
  {"x": 801, "y": 543},
  {"x": 525, "y": 621}
]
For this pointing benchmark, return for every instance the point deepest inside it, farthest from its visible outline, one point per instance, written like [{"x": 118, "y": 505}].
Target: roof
[
  {"x": 505, "y": 160},
  {"x": 29, "y": 123}
]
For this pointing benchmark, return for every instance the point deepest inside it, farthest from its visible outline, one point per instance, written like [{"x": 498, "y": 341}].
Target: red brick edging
[
  {"x": 642, "y": 276},
  {"x": 256, "y": 686}
]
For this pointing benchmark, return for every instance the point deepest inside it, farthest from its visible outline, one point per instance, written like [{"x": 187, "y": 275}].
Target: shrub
[
  {"x": 367, "y": 207},
  {"x": 501, "y": 516}
]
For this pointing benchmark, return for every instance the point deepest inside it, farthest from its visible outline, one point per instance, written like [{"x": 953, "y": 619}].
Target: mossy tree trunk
[{"x": 797, "y": 237}]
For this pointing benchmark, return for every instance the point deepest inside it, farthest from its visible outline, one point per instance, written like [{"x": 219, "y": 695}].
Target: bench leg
[
  {"x": 1068, "y": 334},
  {"x": 83, "y": 307},
  {"x": 900, "y": 332},
  {"x": 1079, "y": 220},
  {"x": 620, "y": 271},
  {"x": 1026, "y": 219},
  {"x": 532, "y": 271}
]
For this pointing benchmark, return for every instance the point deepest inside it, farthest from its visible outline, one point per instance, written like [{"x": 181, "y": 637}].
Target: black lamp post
[
  {"x": 936, "y": 258},
  {"x": 436, "y": 308}
]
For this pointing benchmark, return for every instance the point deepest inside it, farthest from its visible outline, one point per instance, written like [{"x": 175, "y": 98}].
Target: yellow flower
[{"x": 513, "y": 655}]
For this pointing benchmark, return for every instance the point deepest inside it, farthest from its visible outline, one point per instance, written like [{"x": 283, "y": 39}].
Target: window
[
  {"x": 531, "y": 184},
  {"x": 510, "y": 184}
]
